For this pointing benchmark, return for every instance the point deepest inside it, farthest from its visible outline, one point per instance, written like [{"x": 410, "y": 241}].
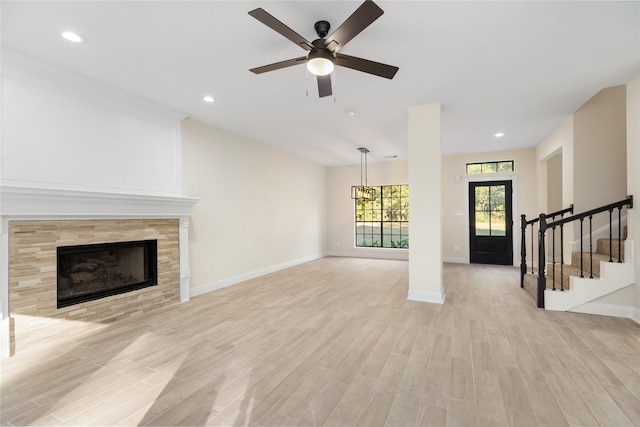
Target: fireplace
[{"x": 91, "y": 272}]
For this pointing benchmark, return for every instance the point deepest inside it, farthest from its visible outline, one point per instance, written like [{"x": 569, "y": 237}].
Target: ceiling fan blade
[
  {"x": 324, "y": 85},
  {"x": 267, "y": 19},
  {"x": 358, "y": 21},
  {"x": 279, "y": 65},
  {"x": 366, "y": 66}
]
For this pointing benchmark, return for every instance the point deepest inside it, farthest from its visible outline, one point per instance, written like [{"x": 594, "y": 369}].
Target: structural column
[{"x": 425, "y": 197}]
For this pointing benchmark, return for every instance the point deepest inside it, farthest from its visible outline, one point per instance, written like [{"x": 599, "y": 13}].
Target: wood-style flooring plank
[{"x": 335, "y": 342}]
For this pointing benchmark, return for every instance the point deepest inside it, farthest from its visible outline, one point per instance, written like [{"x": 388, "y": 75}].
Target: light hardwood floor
[{"x": 335, "y": 342}]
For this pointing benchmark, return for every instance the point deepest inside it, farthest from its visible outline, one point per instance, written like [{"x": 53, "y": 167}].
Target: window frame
[{"x": 495, "y": 163}]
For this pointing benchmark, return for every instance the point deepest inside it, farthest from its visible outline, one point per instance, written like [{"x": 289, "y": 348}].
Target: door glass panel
[
  {"x": 483, "y": 226},
  {"x": 497, "y": 197},
  {"x": 482, "y": 198},
  {"x": 498, "y": 223}
]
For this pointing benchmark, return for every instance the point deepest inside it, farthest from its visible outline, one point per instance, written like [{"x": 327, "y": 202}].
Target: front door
[{"x": 490, "y": 223}]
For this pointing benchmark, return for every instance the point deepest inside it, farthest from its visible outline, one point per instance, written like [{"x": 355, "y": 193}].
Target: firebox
[{"x": 90, "y": 272}]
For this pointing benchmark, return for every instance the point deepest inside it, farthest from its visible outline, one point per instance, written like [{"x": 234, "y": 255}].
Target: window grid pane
[{"x": 384, "y": 222}]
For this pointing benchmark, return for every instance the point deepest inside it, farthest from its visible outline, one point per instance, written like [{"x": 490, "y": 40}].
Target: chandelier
[{"x": 362, "y": 191}]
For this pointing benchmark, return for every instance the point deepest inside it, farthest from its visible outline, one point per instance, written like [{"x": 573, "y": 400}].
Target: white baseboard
[
  {"x": 613, "y": 310},
  {"x": 426, "y": 296},
  {"x": 209, "y": 287},
  {"x": 635, "y": 316},
  {"x": 376, "y": 254},
  {"x": 455, "y": 260}
]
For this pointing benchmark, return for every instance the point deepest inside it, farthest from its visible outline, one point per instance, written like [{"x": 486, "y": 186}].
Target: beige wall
[
  {"x": 599, "y": 163},
  {"x": 455, "y": 197},
  {"x": 558, "y": 143},
  {"x": 259, "y": 207},
  {"x": 341, "y": 210},
  {"x": 633, "y": 177},
  {"x": 554, "y": 183}
]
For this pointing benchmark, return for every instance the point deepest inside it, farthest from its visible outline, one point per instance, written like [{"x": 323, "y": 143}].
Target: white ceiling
[{"x": 516, "y": 67}]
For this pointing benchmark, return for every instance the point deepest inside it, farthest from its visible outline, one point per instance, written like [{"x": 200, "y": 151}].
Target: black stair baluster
[
  {"x": 562, "y": 257},
  {"x": 553, "y": 256},
  {"x": 591, "y": 246},
  {"x": 610, "y": 235},
  {"x": 581, "y": 249},
  {"x": 619, "y": 234},
  {"x": 532, "y": 272}
]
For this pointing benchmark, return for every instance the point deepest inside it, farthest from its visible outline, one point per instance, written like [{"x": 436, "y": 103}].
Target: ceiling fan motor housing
[{"x": 322, "y": 28}]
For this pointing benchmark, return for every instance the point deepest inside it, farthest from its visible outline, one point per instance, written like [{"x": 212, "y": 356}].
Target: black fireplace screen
[{"x": 89, "y": 272}]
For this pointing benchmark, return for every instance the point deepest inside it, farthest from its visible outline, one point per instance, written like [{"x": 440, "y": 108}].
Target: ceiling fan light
[{"x": 320, "y": 62}]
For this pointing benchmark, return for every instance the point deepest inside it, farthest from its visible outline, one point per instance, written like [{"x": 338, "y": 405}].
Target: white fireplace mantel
[
  {"x": 40, "y": 202},
  {"x": 25, "y": 203}
]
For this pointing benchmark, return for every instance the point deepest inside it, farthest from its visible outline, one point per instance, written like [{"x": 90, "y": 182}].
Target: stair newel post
[
  {"x": 523, "y": 249},
  {"x": 611, "y": 235},
  {"x": 562, "y": 257},
  {"x": 542, "y": 281},
  {"x": 591, "y": 246}
]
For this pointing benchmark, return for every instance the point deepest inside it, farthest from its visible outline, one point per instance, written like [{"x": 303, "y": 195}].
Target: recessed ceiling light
[
  {"x": 499, "y": 135},
  {"x": 73, "y": 37},
  {"x": 350, "y": 112},
  {"x": 208, "y": 98}
]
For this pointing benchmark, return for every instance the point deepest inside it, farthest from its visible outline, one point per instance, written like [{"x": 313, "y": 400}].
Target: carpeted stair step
[
  {"x": 586, "y": 263},
  {"x": 566, "y": 271},
  {"x": 603, "y": 247}
]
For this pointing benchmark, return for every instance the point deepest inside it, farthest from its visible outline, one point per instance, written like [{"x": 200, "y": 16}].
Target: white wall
[
  {"x": 260, "y": 208},
  {"x": 62, "y": 132},
  {"x": 341, "y": 208},
  {"x": 425, "y": 197}
]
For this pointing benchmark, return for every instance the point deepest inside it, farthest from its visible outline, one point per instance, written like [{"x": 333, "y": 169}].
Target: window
[
  {"x": 490, "y": 167},
  {"x": 384, "y": 222}
]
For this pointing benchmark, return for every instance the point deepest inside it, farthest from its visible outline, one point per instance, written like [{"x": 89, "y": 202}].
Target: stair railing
[
  {"x": 523, "y": 243},
  {"x": 544, "y": 226}
]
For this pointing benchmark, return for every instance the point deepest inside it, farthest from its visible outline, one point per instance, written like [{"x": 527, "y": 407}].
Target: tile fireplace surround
[{"x": 36, "y": 221}]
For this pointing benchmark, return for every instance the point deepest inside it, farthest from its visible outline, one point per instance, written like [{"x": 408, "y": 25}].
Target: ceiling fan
[{"x": 323, "y": 52}]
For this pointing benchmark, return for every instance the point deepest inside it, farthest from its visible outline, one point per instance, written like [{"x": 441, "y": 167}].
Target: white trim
[
  {"x": 514, "y": 211},
  {"x": 614, "y": 310},
  {"x": 399, "y": 255},
  {"x": 635, "y": 315},
  {"x": 455, "y": 260},
  {"x": 203, "y": 289},
  {"x": 426, "y": 296}
]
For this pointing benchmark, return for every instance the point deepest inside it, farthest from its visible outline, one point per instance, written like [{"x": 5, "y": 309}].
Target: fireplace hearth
[{"x": 90, "y": 272}]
